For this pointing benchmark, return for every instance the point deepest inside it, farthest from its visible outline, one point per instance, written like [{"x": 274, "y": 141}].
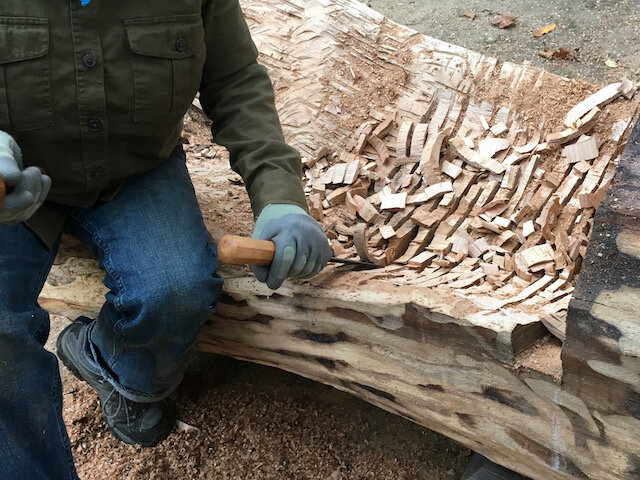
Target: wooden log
[{"x": 426, "y": 351}]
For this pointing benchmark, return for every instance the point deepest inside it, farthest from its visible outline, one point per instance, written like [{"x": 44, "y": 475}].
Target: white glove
[{"x": 30, "y": 186}]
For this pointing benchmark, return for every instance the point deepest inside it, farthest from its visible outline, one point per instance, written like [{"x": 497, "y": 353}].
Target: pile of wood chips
[{"x": 477, "y": 203}]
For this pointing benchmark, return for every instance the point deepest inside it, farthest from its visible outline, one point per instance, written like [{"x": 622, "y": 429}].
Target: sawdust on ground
[{"x": 254, "y": 422}]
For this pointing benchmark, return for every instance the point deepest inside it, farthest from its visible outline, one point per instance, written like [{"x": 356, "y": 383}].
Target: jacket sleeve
[{"x": 236, "y": 93}]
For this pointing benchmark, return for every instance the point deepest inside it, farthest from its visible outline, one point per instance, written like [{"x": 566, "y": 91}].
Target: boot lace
[{"x": 123, "y": 403}]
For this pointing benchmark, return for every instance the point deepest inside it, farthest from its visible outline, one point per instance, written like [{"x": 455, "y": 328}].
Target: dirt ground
[{"x": 602, "y": 30}]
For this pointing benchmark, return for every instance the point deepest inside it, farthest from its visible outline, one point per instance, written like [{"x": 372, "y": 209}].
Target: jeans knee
[{"x": 184, "y": 295}]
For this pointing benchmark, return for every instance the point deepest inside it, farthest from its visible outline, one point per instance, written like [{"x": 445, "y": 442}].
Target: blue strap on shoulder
[{"x": 85, "y": 2}]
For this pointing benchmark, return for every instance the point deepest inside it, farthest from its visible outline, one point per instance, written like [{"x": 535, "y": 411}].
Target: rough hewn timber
[
  {"x": 414, "y": 352},
  {"x": 601, "y": 355}
]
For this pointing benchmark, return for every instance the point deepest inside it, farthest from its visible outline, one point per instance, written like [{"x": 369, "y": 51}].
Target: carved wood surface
[{"x": 429, "y": 356}]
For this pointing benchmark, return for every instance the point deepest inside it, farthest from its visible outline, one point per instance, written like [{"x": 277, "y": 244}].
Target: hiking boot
[
  {"x": 481, "y": 468},
  {"x": 145, "y": 424}
]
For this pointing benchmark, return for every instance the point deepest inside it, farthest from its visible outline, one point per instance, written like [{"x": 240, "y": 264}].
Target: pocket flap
[
  {"x": 23, "y": 38},
  {"x": 164, "y": 38}
]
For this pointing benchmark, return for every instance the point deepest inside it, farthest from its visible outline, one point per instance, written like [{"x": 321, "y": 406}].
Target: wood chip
[
  {"x": 451, "y": 169},
  {"x": 422, "y": 260},
  {"x": 530, "y": 290},
  {"x": 337, "y": 196},
  {"x": 494, "y": 208},
  {"x": 580, "y": 151},
  {"x": 499, "y": 129},
  {"x": 366, "y": 211},
  {"x": 383, "y": 128},
  {"x": 360, "y": 242},
  {"x": 316, "y": 206},
  {"x": 351, "y": 172},
  {"x": 531, "y": 145},
  {"x": 339, "y": 170},
  {"x": 460, "y": 245},
  {"x": 474, "y": 158},
  {"x": 400, "y": 242},
  {"x": 469, "y": 280},
  {"x": 536, "y": 255},
  {"x": 404, "y": 141},
  {"x": 387, "y": 231},
  {"x": 430, "y": 160},
  {"x": 484, "y": 123},
  {"x": 528, "y": 228},
  {"x": 350, "y": 203},
  {"x": 502, "y": 222},
  {"x": 599, "y": 99},
  {"x": 447, "y": 199},
  {"x": 327, "y": 177},
  {"x": 438, "y": 189},
  {"x": 397, "y": 201},
  {"x": 478, "y": 248},
  {"x": 380, "y": 148},
  {"x": 417, "y": 141},
  {"x": 490, "y": 146}
]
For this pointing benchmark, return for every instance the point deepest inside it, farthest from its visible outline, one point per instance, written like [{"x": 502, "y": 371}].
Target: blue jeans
[{"x": 160, "y": 267}]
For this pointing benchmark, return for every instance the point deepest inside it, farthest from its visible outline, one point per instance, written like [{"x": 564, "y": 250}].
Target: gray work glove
[
  {"x": 30, "y": 186},
  {"x": 302, "y": 249}
]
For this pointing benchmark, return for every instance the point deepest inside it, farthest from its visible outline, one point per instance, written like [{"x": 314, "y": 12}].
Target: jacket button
[
  {"x": 181, "y": 44},
  {"x": 89, "y": 60},
  {"x": 95, "y": 125}
]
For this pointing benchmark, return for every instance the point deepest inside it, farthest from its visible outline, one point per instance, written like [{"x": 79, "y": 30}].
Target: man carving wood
[{"x": 93, "y": 93}]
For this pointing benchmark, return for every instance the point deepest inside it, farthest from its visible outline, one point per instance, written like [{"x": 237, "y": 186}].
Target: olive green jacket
[{"x": 95, "y": 95}]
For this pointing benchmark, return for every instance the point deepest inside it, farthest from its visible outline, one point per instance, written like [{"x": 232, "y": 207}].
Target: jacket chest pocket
[
  {"x": 25, "y": 80},
  {"x": 167, "y": 58}
]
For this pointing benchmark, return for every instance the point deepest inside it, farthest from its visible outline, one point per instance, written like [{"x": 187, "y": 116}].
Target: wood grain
[{"x": 237, "y": 250}]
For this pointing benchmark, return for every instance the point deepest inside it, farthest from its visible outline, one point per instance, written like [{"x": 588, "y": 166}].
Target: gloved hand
[
  {"x": 31, "y": 187},
  {"x": 302, "y": 249}
]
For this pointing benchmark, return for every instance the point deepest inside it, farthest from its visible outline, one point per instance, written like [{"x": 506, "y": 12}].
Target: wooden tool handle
[
  {"x": 236, "y": 250},
  {"x": 3, "y": 192}
]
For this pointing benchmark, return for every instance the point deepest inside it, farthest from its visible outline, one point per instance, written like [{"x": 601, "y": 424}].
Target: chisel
[{"x": 237, "y": 250}]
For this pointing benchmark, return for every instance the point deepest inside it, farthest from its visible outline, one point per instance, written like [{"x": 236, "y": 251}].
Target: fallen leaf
[
  {"x": 566, "y": 54},
  {"x": 544, "y": 30},
  {"x": 548, "y": 54},
  {"x": 611, "y": 63},
  {"x": 469, "y": 14},
  {"x": 503, "y": 21},
  {"x": 562, "y": 54}
]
